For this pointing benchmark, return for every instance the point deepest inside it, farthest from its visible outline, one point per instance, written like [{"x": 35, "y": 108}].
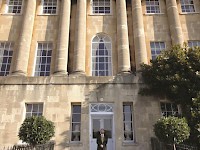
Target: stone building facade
[{"x": 77, "y": 61}]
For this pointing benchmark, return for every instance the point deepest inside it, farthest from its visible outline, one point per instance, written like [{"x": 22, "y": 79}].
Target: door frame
[{"x": 92, "y": 115}]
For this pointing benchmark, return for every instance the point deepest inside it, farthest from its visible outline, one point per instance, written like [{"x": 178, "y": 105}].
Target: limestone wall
[{"x": 58, "y": 93}]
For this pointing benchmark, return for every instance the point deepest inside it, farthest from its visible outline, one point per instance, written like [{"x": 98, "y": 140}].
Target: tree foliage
[
  {"x": 177, "y": 71},
  {"x": 172, "y": 130},
  {"x": 175, "y": 74},
  {"x": 36, "y": 130}
]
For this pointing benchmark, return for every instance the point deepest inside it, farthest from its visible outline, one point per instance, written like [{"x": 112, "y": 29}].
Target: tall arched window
[{"x": 101, "y": 56}]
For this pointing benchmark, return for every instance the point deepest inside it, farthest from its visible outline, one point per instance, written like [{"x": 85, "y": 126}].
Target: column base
[
  {"x": 124, "y": 73},
  {"x": 18, "y": 73},
  {"x": 78, "y": 73},
  {"x": 60, "y": 73}
]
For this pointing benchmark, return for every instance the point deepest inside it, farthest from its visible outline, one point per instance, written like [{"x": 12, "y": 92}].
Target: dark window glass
[
  {"x": 76, "y": 123},
  {"x": 128, "y": 121}
]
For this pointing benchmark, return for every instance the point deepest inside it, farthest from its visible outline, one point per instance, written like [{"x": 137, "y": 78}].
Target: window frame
[
  {"x": 189, "y": 9},
  {"x": 159, "y": 6},
  {"x": 7, "y": 8},
  {"x": 71, "y": 123},
  {"x": 35, "y": 60},
  {"x": 42, "y": 11},
  {"x": 11, "y": 49},
  {"x": 100, "y": 14},
  {"x": 132, "y": 122},
  {"x": 191, "y": 41},
  {"x": 34, "y": 103},
  {"x": 168, "y": 102},
  {"x": 111, "y": 59},
  {"x": 156, "y": 48}
]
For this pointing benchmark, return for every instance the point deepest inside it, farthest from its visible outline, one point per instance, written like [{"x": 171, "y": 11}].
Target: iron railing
[{"x": 47, "y": 146}]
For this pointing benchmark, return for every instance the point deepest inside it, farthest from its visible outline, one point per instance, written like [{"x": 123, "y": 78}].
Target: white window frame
[
  {"x": 154, "y": 1},
  {"x": 156, "y": 49},
  {"x": 98, "y": 14},
  {"x": 36, "y": 56},
  {"x": 194, "y": 41},
  {"x": 38, "y": 113},
  {"x": 8, "y": 56},
  {"x": 71, "y": 123},
  {"x": 171, "y": 111},
  {"x": 110, "y": 68},
  {"x": 186, "y": 12},
  {"x": 42, "y": 11},
  {"x": 131, "y": 122},
  {"x": 7, "y": 8}
]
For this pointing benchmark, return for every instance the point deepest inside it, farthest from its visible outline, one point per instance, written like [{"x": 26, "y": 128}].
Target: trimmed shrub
[
  {"x": 172, "y": 130},
  {"x": 36, "y": 130}
]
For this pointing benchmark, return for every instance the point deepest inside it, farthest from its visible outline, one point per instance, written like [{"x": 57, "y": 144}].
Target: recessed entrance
[{"x": 101, "y": 116}]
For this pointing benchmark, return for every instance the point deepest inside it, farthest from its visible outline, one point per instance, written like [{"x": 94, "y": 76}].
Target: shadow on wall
[
  {"x": 72, "y": 36},
  {"x": 14, "y": 33},
  {"x": 65, "y": 135}
]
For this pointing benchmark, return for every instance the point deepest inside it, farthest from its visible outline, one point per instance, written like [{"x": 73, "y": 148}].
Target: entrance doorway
[{"x": 99, "y": 120}]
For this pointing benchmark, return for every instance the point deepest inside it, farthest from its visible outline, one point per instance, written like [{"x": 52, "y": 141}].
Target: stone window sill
[
  {"x": 153, "y": 14},
  {"x": 189, "y": 13},
  {"x": 47, "y": 15},
  {"x": 10, "y": 14},
  {"x": 129, "y": 143},
  {"x": 100, "y": 15},
  {"x": 78, "y": 143}
]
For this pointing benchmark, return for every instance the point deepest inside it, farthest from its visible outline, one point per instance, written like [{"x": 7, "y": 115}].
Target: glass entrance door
[{"x": 98, "y": 122}]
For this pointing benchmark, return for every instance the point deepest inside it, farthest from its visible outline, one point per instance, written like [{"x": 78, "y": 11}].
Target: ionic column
[
  {"x": 122, "y": 38},
  {"x": 21, "y": 55},
  {"x": 80, "y": 38},
  {"x": 139, "y": 36},
  {"x": 63, "y": 39},
  {"x": 174, "y": 22}
]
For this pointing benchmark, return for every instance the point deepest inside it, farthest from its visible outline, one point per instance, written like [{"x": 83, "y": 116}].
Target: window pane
[
  {"x": 101, "y": 6},
  {"x": 96, "y": 127},
  {"x": 14, "y": 6},
  {"x": 100, "y": 55},
  {"x": 128, "y": 121},
  {"x": 76, "y": 118},
  {"x": 108, "y": 127},
  {"x": 193, "y": 43},
  {"x": 76, "y": 122},
  {"x": 187, "y": 6},
  {"x": 34, "y": 110},
  {"x": 127, "y": 117},
  {"x": 127, "y": 108},
  {"x": 152, "y": 6},
  {"x": 43, "y": 59},
  {"x": 29, "y": 108},
  {"x": 6, "y": 51},
  {"x": 156, "y": 48},
  {"x": 49, "y": 6},
  {"x": 169, "y": 109},
  {"x": 76, "y": 109}
]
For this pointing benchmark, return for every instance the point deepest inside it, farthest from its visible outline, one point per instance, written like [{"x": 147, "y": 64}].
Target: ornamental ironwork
[{"x": 101, "y": 107}]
